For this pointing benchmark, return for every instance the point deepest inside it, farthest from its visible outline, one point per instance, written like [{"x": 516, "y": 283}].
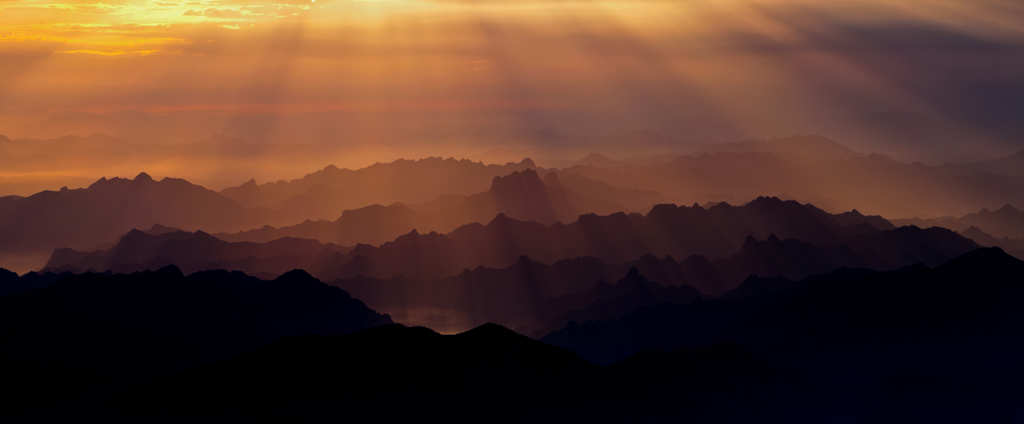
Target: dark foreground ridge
[
  {"x": 78, "y": 335},
  {"x": 918, "y": 344}
]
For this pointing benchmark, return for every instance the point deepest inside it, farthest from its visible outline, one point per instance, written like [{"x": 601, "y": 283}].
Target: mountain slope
[
  {"x": 138, "y": 251},
  {"x": 89, "y": 217},
  {"x": 92, "y": 331},
  {"x": 324, "y": 193},
  {"x": 667, "y": 230},
  {"x": 815, "y": 169},
  {"x": 523, "y": 195},
  {"x": 974, "y": 296}
]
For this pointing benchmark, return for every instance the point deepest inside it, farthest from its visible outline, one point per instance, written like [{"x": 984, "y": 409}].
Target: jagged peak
[
  {"x": 143, "y": 177},
  {"x": 296, "y": 275},
  {"x": 1008, "y": 208},
  {"x": 99, "y": 182},
  {"x": 519, "y": 178},
  {"x": 527, "y": 162},
  {"x": 499, "y": 219}
]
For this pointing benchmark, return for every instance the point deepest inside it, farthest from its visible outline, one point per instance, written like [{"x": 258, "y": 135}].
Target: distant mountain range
[
  {"x": 532, "y": 297},
  {"x": 814, "y": 169},
  {"x": 667, "y": 230},
  {"x": 325, "y": 193},
  {"x": 1006, "y": 221},
  {"x": 496, "y": 272},
  {"x": 167, "y": 301},
  {"x": 96, "y": 216},
  {"x": 1013, "y": 246},
  {"x": 160, "y": 247},
  {"x": 522, "y": 195},
  {"x": 89, "y": 217},
  {"x": 1002, "y": 228}
]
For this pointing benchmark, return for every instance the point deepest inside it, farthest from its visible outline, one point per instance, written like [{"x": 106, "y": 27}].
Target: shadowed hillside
[
  {"x": 971, "y": 298},
  {"x": 95, "y": 332},
  {"x": 938, "y": 344}
]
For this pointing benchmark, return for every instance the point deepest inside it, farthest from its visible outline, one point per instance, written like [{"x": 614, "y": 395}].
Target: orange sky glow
[{"x": 363, "y": 79}]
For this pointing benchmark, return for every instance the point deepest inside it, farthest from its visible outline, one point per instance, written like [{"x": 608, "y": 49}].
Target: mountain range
[
  {"x": 325, "y": 193},
  {"x": 814, "y": 169},
  {"x": 95, "y": 216},
  {"x": 935, "y": 343},
  {"x": 1007, "y": 221},
  {"x": 496, "y": 272},
  {"x": 523, "y": 195},
  {"x": 667, "y": 230}
]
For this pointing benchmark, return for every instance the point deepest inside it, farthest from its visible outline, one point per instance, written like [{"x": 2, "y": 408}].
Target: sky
[{"x": 211, "y": 89}]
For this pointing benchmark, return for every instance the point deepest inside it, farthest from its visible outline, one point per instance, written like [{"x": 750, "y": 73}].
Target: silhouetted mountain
[
  {"x": 534, "y": 298},
  {"x": 84, "y": 335},
  {"x": 528, "y": 296},
  {"x": 364, "y": 375},
  {"x": 611, "y": 301},
  {"x": 815, "y": 169},
  {"x": 480, "y": 273},
  {"x": 324, "y": 193},
  {"x": 939, "y": 344},
  {"x": 522, "y": 195},
  {"x": 9, "y": 282},
  {"x": 971, "y": 298},
  {"x": 159, "y": 230},
  {"x": 1014, "y": 246},
  {"x": 373, "y": 224},
  {"x": 139, "y": 251},
  {"x": 90, "y": 217},
  {"x": 679, "y": 232},
  {"x": 1006, "y": 221}
]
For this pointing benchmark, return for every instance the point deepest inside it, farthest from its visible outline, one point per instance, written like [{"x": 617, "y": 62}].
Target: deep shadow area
[{"x": 917, "y": 344}]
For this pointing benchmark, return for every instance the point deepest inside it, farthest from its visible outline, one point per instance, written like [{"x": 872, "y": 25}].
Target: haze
[{"x": 219, "y": 91}]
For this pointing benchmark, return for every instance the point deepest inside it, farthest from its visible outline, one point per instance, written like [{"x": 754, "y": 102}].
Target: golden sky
[{"x": 931, "y": 79}]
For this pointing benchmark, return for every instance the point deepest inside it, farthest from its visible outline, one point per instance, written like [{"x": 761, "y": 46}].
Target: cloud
[
  {"x": 216, "y": 13},
  {"x": 917, "y": 79}
]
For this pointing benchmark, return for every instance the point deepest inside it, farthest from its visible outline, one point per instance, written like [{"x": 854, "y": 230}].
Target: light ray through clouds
[{"x": 362, "y": 79}]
